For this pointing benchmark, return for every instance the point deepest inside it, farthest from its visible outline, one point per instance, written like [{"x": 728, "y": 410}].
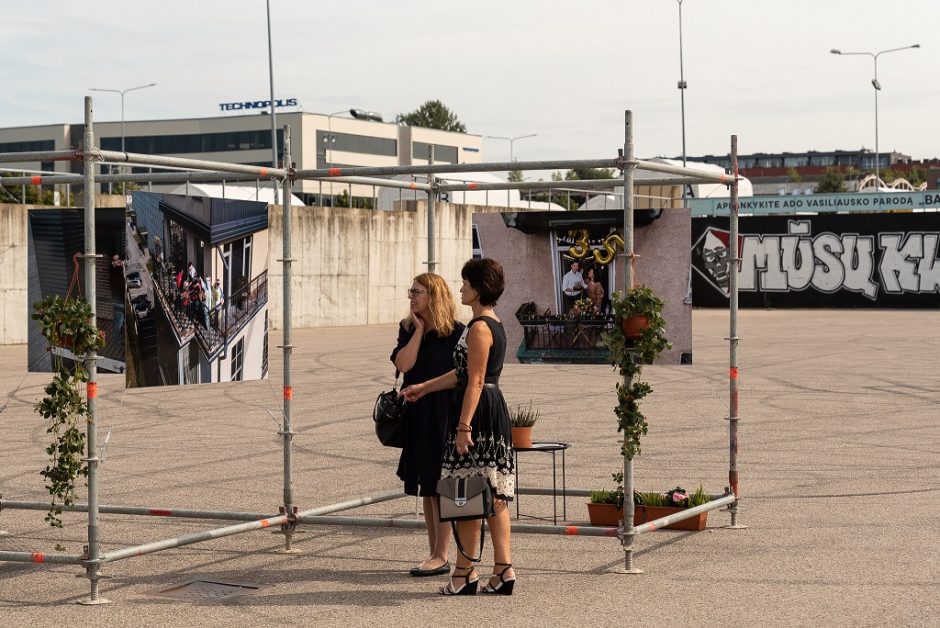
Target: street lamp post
[
  {"x": 877, "y": 86},
  {"x": 682, "y": 84},
  {"x": 121, "y": 92},
  {"x": 512, "y": 141},
  {"x": 330, "y": 139}
]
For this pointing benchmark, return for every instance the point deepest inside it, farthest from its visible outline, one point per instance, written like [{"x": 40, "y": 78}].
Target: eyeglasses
[{"x": 413, "y": 292}]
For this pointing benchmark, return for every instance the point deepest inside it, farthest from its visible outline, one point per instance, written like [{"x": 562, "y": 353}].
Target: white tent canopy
[
  {"x": 236, "y": 191},
  {"x": 387, "y": 197}
]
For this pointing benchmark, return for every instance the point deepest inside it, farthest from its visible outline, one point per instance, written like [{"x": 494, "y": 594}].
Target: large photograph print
[
  {"x": 197, "y": 298},
  {"x": 562, "y": 269},
  {"x": 56, "y": 242}
]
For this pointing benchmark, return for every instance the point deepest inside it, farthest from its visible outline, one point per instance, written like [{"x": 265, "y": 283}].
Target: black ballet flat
[{"x": 437, "y": 571}]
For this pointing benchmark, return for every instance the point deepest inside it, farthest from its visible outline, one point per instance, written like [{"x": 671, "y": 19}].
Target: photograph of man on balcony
[
  {"x": 556, "y": 306},
  {"x": 200, "y": 314}
]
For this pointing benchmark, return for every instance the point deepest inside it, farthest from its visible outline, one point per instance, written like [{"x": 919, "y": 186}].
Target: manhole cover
[{"x": 207, "y": 590}]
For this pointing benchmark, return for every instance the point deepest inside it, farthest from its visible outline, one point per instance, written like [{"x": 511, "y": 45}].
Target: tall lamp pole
[
  {"x": 512, "y": 141},
  {"x": 682, "y": 84},
  {"x": 121, "y": 92},
  {"x": 273, "y": 114},
  {"x": 877, "y": 86}
]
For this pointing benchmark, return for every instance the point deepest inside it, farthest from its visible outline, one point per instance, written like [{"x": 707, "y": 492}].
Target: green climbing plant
[
  {"x": 65, "y": 323},
  {"x": 628, "y": 354}
]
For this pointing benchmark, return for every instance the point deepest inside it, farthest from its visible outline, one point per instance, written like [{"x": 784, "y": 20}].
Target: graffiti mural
[{"x": 841, "y": 260}]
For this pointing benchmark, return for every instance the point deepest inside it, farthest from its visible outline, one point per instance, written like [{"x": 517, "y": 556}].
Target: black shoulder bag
[{"x": 391, "y": 426}]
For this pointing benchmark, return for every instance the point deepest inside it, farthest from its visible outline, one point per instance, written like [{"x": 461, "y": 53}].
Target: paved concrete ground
[{"x": 839, "y": 450}]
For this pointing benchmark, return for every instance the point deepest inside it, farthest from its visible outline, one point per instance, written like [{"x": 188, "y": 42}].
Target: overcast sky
[{"x": 564, "y": 70}]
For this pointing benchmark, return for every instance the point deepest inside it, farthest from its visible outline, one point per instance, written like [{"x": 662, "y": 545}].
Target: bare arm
[
  {"x": 406, "y": 358},
  {"x": 442, "y": 382}
]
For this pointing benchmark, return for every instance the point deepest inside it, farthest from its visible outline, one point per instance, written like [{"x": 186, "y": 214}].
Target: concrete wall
[
  {"x": 13, "y": 266},
  {"x": 353, "y": 266}
]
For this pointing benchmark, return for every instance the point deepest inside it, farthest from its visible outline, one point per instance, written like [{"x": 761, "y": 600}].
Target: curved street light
[
  {"x": 121, "y": 92},
  {"x": 877, "y": 86}
]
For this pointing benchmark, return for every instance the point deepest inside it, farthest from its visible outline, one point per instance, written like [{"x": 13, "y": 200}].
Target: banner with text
[
  {"x": 819, "y": 203},
  {"x": 832, "y": 260}
]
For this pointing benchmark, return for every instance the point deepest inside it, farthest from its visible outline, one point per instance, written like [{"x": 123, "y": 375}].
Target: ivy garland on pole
[
  {"x": 628, "y": 353},
  {"x": 65, "y": 323}
]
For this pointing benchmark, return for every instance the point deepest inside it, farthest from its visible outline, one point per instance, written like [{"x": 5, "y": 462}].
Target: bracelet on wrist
[{"x": 464, "y": 428}]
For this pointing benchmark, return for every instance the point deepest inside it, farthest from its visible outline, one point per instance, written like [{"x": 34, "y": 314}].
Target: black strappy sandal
[
  {"x": 505, "y": 586},
  {"x": 469, "y": 586}
]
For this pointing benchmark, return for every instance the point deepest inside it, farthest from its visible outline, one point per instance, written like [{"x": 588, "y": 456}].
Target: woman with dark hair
[
  {"x": 479, "y": 441},
  {"x": 426, "y": 341},
  {"x": 595, "y": 290}
]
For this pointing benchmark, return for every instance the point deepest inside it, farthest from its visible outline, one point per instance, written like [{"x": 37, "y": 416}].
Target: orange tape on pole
[
  {"x": 733, "y": 372},
  {"x": 571, "y": 530},
  {"x": 37, "y": 180},
  {"x": 264, "y": 171},
  {"x": 473, "y": 186},
  {"x": 288, "y": 393},
  {"x": 39, "y": 557},
  {"x": 334, "y": 172},
  {"x": 159, "y": 512},
  {"x": 265, "y": 523},
  {"x": 413, "y": 186},
  {"x": 92, "y": 390}
]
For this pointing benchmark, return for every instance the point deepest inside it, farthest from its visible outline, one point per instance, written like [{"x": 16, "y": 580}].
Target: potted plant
[
  {"x": 521, "y": 419},
  {"x": 606, "y": 507},
  {"x": 651, "y": 505},
  {"x": 628, "y": 354},
  {"x": 65, "y": 323}
]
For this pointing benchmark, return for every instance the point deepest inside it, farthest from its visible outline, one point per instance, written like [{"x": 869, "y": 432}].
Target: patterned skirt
[{"x": 492, "y": 455}]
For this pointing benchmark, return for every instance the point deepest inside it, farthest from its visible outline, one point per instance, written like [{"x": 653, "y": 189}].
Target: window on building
[
  {"x": 26, "y": 147},
  {"x": 194, "y": 142},
  {"x": 419, "y": 150},
  {"x": 348, "y": 143},
  {"x": 238, "y": 361}
]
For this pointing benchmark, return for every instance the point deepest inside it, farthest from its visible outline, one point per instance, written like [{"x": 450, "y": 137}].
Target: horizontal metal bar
[
  {"x": 372, "y": 171},
  {"x": 419, "y": 524},
  {"x": 45, "y": 155},
  {"x": 347, "y": 505},
  {"x": 378, "y": 182},
  {"x": 195, "y": 164},
  {"x": 687, "y": 513},
  {"x": 199, "y": 537},
  {"x": 684, "y": 171},
  {"x": 40, "y": 558},
  {"x": 587, "y": 184},
  {"x": 571, "y": 492},
  {"x": 155, "y": 177},
  {"x": 142, "y": 510}
]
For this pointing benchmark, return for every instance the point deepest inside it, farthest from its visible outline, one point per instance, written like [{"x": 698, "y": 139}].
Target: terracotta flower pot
[
  {"x": 642, "y": 514},
  {"x": 634, "y": 326},
  {"x": 609, "y": 515},
  {"x": 604, "y": 514},
  {"x": 522, "y": 437}
]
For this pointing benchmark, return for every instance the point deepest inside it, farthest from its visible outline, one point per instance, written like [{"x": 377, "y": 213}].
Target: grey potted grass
[{"x": 521, "y": 419}]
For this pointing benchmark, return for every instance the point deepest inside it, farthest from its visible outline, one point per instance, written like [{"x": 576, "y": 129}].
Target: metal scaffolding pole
[
  {"x": 93, "y": 561},
  {"x": 588, "y": 184},
  {"x": 40, "y": 155},
  {"x": 432, "y": 199},
  {"x": 373, "y": 171},
  {"x": 181, "y": 162},
  {"x": 286, "y": 432},
  {"x": 682, "y": 515},
  {"x": 735, "y": 262},
  {"x": 629, "y": 533}
]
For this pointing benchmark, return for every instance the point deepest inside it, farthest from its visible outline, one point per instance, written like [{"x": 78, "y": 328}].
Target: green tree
[
  {"x": 433, "y": 115},
  {"x": 515, "y": 176},
  {"x": 794, "y": 176},
  {"x": 587, "y": 174},
  {"x": 830, "y": 182}
]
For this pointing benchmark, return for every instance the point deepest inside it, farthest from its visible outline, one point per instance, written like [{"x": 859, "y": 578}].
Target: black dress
[
  {"x": 420, "y": 464},
  {"x": 492, "y": 454}
]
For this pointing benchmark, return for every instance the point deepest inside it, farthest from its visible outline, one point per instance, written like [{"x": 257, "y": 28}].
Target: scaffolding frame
[{"x": 289, "y": 515}]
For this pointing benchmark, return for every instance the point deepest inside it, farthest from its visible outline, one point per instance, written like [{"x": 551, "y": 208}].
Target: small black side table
[{"x": 552, "y": 448}]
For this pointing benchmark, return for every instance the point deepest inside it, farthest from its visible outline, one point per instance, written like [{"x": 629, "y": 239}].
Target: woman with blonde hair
[
  {"x": 479, "y": 440},
  {"x": 426, "y": 341}
]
